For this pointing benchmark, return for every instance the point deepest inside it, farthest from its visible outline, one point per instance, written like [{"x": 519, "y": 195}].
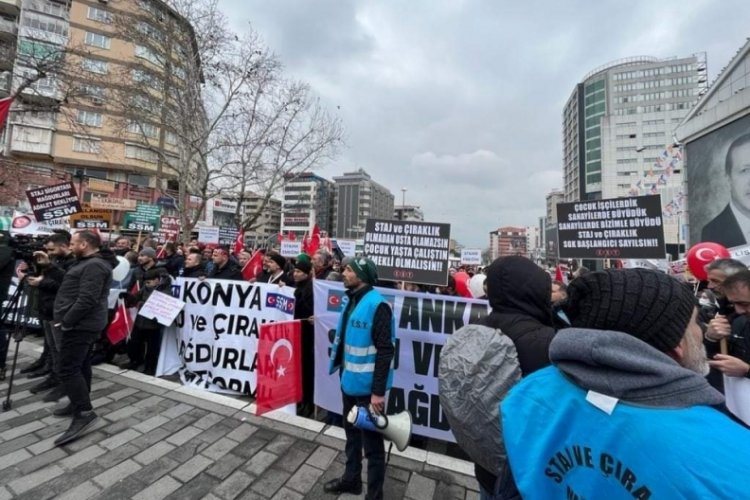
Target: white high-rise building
[{"x": 618, "y": 127}]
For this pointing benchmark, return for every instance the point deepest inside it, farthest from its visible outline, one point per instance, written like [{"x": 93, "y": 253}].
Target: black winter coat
[
  {"x": 520, "y": 294},
  {"x": 82, "y": 300},
  {"x": 52, "y": 278},
  {"x": 230, "y": 271}
]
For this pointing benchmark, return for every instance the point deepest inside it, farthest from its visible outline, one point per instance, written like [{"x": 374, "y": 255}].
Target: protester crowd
[{"x": 615, "y": 392}]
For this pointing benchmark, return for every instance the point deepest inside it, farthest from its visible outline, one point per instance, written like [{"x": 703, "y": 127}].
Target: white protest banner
[
  {"x": 422, "y": 324},
  {"x": 737, "y": 392},
  {"x": 655, "y": 264},
  {"x": 471, "y": 256},
  {"x": 208, "y": 234},
  {"x": 290, "y": 248},
  {"x": 213, "y": 344},
  {"x": 161, "y": 307},
  {"x": 348, "y": 247}
]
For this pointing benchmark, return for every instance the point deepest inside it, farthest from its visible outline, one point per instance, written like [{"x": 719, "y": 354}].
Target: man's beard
[{"x": 695, "y": 356}]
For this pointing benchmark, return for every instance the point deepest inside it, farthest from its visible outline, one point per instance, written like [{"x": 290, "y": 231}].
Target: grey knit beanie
[{"x": 644, "y": 303}]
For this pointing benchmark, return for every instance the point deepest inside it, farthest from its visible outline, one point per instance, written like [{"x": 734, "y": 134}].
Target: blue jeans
[{"x": 374, "y": 452}]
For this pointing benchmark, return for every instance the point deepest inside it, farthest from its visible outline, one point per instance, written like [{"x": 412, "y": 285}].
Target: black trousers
[
  {"x": 75, "y": 367},
  {"x": 374, "y": 451},
  {"x": 144, "y": 346}
]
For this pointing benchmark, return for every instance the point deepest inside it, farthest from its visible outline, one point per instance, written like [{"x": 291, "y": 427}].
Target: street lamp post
[{"x": 403, "y": 204}]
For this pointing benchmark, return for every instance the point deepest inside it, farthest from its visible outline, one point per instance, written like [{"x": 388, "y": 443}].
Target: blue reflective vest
[
  {"x": 359, "y": 351},
  {"x": 562, "y": 446}
]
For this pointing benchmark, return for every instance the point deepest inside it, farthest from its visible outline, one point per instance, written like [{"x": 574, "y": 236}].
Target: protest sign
[
  {"x": 619, "y": 228},
  {"x": 228, "y": 235},
  {"x": 737, "y": 392},
  {"x": 27, "y": 224},
  {"x": 348, "y": 247},
  {"x": 54, "y": 202},
  {"x": 471, "y": 256},
  {"x": 213, "y": 343},
  {"x": 107, "y": 203},
  {"x": 423, "y": 323},
  {"x": 409, "y": 251},
  {"x": 290, "y": 248},
  {"x": 145, "y": 218},
  {"x": 90, "y": 218},
  {"x": 208, "y": 234},
  {"x": 161, "y": 307},
  {"x": 169, "y": 229}
]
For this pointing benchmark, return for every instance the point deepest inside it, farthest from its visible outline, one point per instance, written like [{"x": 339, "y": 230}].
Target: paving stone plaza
[{"x": 156, "y": 439}]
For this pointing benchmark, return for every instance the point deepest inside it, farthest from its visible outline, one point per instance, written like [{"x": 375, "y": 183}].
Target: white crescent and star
[
  {"x": 281, "y": 343},
  {"x": 700, "y": 253}
]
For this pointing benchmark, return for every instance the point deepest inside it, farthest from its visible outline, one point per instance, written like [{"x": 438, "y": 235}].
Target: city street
[{"x": 156, "y": 439}]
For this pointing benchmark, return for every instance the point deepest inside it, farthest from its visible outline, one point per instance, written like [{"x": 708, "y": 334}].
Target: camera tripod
[{"x": 19, "y": 313}]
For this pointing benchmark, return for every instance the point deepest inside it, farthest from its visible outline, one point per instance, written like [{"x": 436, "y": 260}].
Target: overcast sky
[{"x": 460, "y": 101}]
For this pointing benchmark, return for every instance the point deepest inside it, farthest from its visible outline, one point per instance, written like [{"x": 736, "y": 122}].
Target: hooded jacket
[
  {"x": 82, "y": 299},
  {"x": 615, "y": 417},
  {"x": 520, "y": 294}
]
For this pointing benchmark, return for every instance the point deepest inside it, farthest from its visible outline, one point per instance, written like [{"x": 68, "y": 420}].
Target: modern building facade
[
  {"x": 307, "y": 200},
  {"x": 618, "y": 127},
  {"x": 266, "y": 228},
  {"x": 68, "y": 122},
  {"x": 508, "y": 240},
  {"x": 408, "y": 212},
  {"x": 357, "y": 199}
]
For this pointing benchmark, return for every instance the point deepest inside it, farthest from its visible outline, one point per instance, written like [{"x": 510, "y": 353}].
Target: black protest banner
[
  {"x": 619, "y": 228},
  {"x": 228, "y": 235},
  {"x": 409, "y": 251},
  {"x": 54, "y": 202}
]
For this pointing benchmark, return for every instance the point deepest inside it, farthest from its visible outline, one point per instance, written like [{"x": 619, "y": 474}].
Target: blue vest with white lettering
[
  {"x": 562, "y": 446},
  {"x": 359, "y": 351}
]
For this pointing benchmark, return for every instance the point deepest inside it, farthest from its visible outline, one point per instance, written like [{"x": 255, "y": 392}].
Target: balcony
[
  {"x": 10, "y": 7},
  {"x": 29, "y": 140},
  {"x": 8, "y": 28},
  {"x": 7, "y": 54},
  {"x": 5, "y": 79}
]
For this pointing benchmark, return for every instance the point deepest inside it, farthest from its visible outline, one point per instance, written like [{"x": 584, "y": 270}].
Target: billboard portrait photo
[{"x": 718, "y": 174}]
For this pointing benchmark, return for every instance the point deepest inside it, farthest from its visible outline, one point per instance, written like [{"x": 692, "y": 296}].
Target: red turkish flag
[
  {"x": 4, "y": 110},
  {"x": 291, "y": 236},
  {"x": 239, "y": 243},
  {"x": 254, "y": 266},
  {"x": 279, "y": 366},
  {"x": 122, "y": 324},
  {"x": 313, "y": 244}
]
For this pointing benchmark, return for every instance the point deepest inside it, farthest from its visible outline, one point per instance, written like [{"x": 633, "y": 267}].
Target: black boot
[
  {"x": 36, "y": 365},
  {"x": 63, "y": 411},
  {"x": 42, "y": 372},
  {"x": 56, "y": 393},
  {"x": 338, "y": 486},
  {"x": 82, "y": 421},
  {"x": 42, "y": 386}
]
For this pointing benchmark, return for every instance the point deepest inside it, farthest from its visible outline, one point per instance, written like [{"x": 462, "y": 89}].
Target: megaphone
[{"x": 396, "y": 428}]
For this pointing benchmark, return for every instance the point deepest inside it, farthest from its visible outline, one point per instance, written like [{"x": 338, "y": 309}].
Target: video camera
[{"x": 24, "y": 247}]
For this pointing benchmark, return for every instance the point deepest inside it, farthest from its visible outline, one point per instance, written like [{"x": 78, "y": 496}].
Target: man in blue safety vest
[{"x": 362, "y": 352}]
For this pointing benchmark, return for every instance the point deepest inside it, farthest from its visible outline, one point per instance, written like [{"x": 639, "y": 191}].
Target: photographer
[{"x": 47, "y": 281}]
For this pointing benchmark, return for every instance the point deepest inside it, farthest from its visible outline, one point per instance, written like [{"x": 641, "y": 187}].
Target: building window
[
  {"x": 51, "y": 8},
  {"x": 147, "y": 54},
  {"x": 138, "y": 180},
  {"x": 100, "y": 15},
  {"x": 170, "y": 138},
  {"x": 97, "y": 40},
  {"x": 87, "y": 145},
  {"x": 89, "y": 118},
  {"x": 95, "y": 65},
  {"x": 140, "y": 153},
  {"x": 88, "y": 90},
  {"x": 149, "y": 130},
  {"x": 46, "y": 24}
]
